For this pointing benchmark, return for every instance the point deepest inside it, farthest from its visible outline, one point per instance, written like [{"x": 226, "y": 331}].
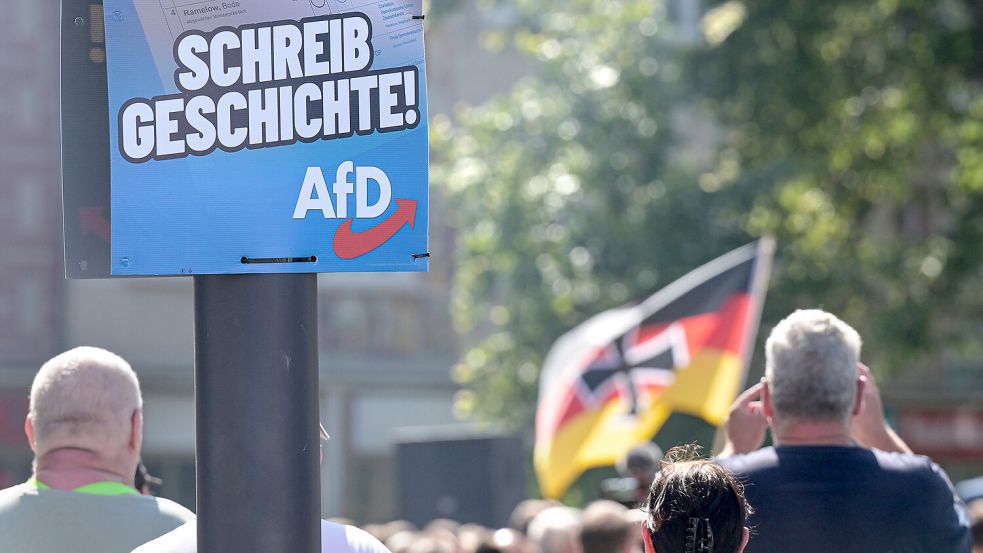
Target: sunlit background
[{"x": 585, "y": 154}]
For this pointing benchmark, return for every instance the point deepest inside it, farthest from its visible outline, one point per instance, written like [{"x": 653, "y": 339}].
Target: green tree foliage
[
  {"x": 565, "y": 196},
  {"x": 436, "y": 10},
  {"x": 860, "y": 125},
  {"x": 851, "y": 130}
]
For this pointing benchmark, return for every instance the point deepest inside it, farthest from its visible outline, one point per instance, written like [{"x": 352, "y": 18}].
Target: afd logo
[{"x": 314, "y": 195}]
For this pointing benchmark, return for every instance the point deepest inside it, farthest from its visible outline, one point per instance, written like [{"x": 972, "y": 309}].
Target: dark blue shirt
[{"x": 833, "y": 499}]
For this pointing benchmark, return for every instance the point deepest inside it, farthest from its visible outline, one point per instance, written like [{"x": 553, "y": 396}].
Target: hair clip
[
  {"x": 692, "y": 526},
  {"x": 699, "y": 535},
  {"x": 707, "y": 545}
]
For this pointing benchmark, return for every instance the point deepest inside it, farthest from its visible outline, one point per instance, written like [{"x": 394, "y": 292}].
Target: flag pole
[{"x": 759, "y": 287}]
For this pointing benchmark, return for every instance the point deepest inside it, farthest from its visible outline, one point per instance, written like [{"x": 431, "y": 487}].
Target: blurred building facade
[{"x": 32, "y": 289}]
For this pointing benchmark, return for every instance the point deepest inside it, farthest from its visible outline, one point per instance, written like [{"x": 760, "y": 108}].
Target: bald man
[{"x": 85, "y": 426}]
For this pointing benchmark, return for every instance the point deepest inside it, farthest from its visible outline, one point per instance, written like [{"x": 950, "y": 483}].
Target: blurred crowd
[
  {"x": 836, "y": 477},
  {"x": 536, "y": 525},
  {"x": 547, "y": 526}
]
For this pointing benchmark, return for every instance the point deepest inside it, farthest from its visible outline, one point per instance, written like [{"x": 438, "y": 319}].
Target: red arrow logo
[
  {"x": 92, "y": 221},
  {"x": 349, "y": 245}
]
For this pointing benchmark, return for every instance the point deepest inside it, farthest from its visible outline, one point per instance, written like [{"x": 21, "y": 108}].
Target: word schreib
[
  {"x": 314, "y": 193},
  {"x": 325, "y": 90}
]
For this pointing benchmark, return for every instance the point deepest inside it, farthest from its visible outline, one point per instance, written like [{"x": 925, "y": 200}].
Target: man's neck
[
  {"x": 67, "y": 469},
  {"x": 812, "y": 433}
]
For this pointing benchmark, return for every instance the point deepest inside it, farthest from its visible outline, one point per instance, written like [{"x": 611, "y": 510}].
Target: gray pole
[{"x": 256, "y": 396}]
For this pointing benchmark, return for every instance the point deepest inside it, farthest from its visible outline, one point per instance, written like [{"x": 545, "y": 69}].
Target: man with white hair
[
  {"x": 557, "y": 530},
  {"x": 85, "y": 426},
  {"x": 838, "y": 478}
]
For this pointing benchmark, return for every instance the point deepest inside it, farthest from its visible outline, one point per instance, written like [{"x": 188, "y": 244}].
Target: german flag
[{"x": 609, "y": 384}]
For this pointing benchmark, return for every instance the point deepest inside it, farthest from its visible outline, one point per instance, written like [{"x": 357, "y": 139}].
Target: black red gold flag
[{"x": 610, "y": 383}]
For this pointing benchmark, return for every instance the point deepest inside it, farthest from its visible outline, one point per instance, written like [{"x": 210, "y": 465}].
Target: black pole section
[{"x": 256, "y": 395}]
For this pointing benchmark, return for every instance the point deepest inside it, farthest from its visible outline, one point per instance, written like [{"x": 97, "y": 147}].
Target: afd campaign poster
[{"x": 267, "y": 136}]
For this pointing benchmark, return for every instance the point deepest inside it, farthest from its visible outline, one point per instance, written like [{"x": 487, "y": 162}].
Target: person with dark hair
[
  {"x": 695, "y": 506},
  {"x": 640, "y": 464},
  {"x": 144, "y": 482}
]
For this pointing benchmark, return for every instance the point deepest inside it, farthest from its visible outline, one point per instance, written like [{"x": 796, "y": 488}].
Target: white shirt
[{"x": 335, "y": 538}]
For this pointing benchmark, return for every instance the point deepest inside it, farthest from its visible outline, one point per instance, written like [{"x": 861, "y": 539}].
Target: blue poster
[{"x": 267, "y": 136}]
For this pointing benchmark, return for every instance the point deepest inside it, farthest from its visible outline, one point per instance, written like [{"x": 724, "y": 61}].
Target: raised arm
[
  {"x": 868, "y": 426},
  {"x": 746, "y": 425}
]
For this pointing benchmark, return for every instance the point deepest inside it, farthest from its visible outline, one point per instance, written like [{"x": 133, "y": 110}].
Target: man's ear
[
  {"x": 861, "y": 386},
  {"x": 29, "y": 431},
  {"x": 746, "y": 535},
  {"x": 136, "y": 430}
]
